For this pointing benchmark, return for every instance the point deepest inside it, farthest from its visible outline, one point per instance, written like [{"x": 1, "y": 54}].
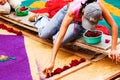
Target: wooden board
[
  {"x": 68, "y": 71},
  {"x": 102, "y": 45},
  {"x": 101, "y": 70},
  {"x": 21, "y": 21},
  {"x": 114, "y": 77}
]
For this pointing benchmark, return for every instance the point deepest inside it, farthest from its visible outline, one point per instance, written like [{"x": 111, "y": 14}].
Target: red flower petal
[
  {"x": 92, "y": 34},
  {"x": 19, "y": 33},
  {"x": 82, "y": 60},
  {"x": 10, "y": 29},
  {"x": 107, "y": 40},
  {"x": 66, "y": 67},
  {"x": 2, "y": 26},
  {"x": 57, "y": 71},
  {"x": 47, "y": 76},
  {"x": 74, "y": 62}
]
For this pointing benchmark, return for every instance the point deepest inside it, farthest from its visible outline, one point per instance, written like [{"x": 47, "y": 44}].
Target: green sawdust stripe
[{"x": 115, "y": 3}]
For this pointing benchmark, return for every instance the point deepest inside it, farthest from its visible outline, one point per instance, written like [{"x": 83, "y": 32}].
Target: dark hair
[{"x": 86, "y": 3}]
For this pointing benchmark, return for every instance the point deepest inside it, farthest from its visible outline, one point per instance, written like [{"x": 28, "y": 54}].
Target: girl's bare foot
[{"x": 32, "y": 18}]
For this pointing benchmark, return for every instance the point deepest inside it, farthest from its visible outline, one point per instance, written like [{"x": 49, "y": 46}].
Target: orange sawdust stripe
[{"x": 37, "y": 4}]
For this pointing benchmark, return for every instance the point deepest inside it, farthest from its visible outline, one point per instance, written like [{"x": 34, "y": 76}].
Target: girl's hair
[{"x": 86, "y": 3}]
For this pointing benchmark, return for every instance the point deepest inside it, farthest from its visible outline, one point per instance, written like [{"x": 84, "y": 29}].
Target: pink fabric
[{"x": 75, "y": 6}]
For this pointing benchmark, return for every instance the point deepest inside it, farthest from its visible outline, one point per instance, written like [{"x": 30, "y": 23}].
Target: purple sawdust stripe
[{"x": 18, "y": 69}]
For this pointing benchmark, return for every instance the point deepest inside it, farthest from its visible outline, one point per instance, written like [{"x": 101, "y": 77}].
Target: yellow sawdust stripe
[
  {"x": 114, "y": 10},
  {"x": 37, "y": 5}
]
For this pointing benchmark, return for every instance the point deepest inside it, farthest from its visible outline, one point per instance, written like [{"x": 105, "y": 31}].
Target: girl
[{"x": 71, "y": 21}]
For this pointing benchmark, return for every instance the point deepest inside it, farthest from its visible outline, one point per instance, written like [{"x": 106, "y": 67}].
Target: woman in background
[{"x": 7, "y": 5}]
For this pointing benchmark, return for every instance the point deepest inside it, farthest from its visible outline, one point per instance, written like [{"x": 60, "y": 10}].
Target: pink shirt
[{"x": 75, "y": 6}]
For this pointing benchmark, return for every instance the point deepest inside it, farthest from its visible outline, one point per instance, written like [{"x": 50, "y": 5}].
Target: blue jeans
[{"x": 48, "y": 28}]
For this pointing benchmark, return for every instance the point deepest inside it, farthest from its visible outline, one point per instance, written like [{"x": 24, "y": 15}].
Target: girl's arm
[
  {"x": 113, "y": 54},
  {"x": 64, "y": 26}
]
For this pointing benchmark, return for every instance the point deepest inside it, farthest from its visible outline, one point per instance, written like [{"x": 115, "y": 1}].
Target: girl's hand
[
  {"x": 114, "y": 55},
  {"x": 48, "y": 69},
  {"x": 2, "y": 2}
]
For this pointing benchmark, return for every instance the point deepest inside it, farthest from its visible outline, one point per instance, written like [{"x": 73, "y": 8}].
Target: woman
[
  {"x": 6, "y": 5},
  {"x": 71, "y": 21}
]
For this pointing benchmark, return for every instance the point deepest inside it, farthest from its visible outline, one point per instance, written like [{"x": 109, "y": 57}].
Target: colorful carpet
[{"x": 15, "y": 66}]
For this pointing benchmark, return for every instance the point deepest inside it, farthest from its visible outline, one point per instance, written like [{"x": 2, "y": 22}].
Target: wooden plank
[
  {"x": 21, "y": 21},
  {"x": 100, "y": 70},
  {"x": 97, "y": 50},
  {"x": 114, "y": 77},
  {"x": 71, "y": 70},
  {"x": 102, "y": 45}
]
